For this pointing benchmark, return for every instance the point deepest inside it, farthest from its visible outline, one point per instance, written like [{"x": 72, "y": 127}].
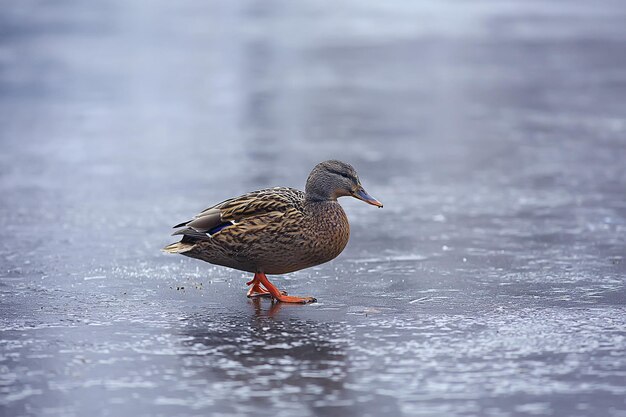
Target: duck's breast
[
  {"x": 330, "y": 231},
  {"x": 321, "y": 236}
]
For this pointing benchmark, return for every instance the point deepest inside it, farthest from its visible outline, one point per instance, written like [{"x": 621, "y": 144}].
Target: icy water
[{"x": 490, "y": 284}]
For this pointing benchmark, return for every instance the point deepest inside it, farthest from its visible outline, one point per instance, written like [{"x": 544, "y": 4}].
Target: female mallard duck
[{"x": 276, "y": 230}]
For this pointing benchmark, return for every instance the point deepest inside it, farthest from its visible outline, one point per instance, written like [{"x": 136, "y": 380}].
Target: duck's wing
[{"x": 254, "y": 204}]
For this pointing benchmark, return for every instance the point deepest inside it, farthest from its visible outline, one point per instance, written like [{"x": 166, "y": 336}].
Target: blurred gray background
[{"x": 491, "y": 284}]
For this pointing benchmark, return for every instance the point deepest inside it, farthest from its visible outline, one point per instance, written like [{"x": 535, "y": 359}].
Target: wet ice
[{"x": 490, "y": 284}]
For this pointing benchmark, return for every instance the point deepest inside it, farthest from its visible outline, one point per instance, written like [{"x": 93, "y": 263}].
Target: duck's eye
[{"x": 343, "y": 174}]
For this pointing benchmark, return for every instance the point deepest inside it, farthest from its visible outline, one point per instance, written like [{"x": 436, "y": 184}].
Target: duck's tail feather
[
  {"x": 179, "y": 247},
  {"x": 188, "y": 242},
  {"x": 181, "y": 224}
]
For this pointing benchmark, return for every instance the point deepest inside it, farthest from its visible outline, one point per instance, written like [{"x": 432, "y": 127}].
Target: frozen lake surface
[{"x": 491, "y": 284}]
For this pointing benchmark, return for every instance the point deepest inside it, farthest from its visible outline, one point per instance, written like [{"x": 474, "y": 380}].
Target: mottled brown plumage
[{"x": 276, "y": 230}]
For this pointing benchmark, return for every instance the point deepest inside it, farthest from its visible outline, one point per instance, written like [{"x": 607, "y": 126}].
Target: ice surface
[{"x": 491, "y": 284}]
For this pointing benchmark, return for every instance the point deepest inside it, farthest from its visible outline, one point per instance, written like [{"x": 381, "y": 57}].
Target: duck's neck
[
  {"x": 317, "y": 190},
  {"x": 319, "y": 198}
]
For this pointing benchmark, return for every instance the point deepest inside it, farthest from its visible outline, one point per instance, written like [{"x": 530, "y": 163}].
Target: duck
[{"x": 276, "y": 231}]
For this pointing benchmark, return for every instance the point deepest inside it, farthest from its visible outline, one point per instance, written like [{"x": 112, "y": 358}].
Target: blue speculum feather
[{"x": 219, "y": 227}]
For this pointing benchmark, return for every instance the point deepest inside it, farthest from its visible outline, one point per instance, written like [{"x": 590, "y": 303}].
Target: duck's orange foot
[
  {"x": 257, "y": 289},
  {"x": 261, "y": 280}
]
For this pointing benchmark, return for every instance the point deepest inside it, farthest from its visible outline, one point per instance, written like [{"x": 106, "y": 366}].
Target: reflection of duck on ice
[{"x": 264, "y": 358}]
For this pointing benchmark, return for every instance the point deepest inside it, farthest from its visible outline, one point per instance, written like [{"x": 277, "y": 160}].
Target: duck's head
[{"x": 332, "y": 179}]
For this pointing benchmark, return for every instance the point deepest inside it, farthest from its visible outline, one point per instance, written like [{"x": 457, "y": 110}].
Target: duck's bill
[{"x": 363, "y": 195}]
